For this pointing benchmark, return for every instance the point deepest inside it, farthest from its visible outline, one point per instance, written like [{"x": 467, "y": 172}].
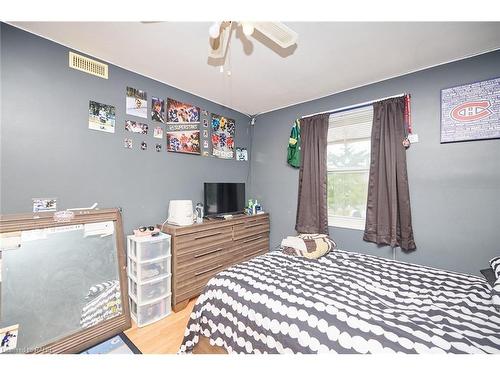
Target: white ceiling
[{"x": 329, "y": 57}]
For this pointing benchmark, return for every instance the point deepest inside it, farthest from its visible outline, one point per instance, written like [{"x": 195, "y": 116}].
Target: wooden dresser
[{"x": 199, "y": 251}]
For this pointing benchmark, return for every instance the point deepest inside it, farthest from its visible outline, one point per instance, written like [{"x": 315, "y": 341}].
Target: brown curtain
[
  {"x": 312, "y": 213},
  {"x": 388, "y": 213}
]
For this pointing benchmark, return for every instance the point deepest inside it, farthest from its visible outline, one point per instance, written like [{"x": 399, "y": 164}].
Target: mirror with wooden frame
[{"x": 63, "y": 285}]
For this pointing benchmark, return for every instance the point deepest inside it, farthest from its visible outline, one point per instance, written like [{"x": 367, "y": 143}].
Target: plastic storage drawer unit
[
  {"x": 150, "y": 290},
  {"x": 148, "y": 270},
  {"x": 147, "y": 313},
  {"x": 148, "y": 248}
]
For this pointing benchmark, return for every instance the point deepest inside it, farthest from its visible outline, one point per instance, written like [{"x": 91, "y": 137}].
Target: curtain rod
[{"x": 354, "y": 106}]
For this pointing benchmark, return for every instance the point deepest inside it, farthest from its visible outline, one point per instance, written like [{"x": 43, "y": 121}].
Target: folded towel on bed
[{"x": 310, "y": 246}]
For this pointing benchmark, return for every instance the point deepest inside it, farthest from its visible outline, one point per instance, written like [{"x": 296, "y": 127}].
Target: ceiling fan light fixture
[
  {"x": 214, "y": 30},
  {"x": 248, "y": 28}
]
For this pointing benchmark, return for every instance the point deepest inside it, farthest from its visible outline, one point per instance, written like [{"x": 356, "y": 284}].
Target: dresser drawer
[
  {"x": 192, "y": 283},
  {"x": 248, "y": 248},
  {"x": 251, "y": 228},
  {"x": 199, "y": 258},
  {"x": 202, "y": 239}
]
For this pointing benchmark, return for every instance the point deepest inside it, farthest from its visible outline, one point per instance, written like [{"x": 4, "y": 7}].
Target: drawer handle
[
  {"x": 206, "y": 271},
  {"x": 252, "y": 239},
  {"x": 207, "y": 235},
  {"x": 208, "y": 252}
]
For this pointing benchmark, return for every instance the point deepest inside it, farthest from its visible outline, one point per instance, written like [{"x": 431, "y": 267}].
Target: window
[{"x": 348, "y": 162}]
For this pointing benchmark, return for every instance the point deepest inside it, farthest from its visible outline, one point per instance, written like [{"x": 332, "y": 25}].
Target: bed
[{"x": 343, "y": 302}]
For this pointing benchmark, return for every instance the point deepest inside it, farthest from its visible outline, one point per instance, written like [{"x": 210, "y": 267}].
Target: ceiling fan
[{"x": 220, "y": 35}]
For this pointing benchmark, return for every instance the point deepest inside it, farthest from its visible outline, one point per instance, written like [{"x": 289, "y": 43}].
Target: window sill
[{"x": 346, "y": 222}]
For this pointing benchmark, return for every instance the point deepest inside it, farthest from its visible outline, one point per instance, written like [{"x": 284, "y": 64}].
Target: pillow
[
  {"x": 489, "y": 275},
  {"x": 495, "y": 266},
  {"x": 495, "y": 291},
  {"x": 311, "y": 246},
  {"x": 495, "y": 295}
]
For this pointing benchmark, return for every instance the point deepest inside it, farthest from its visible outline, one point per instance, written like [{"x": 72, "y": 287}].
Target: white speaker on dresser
[{"x": 180, "y": 212}]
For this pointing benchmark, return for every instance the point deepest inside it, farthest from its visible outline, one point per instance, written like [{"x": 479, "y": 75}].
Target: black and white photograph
[
  {"x": 158, "y": 147},
  {"x": 136, "y": 127},
  {"x": 102, "y": 117},
  {"x": 241, "y": 154},
  {"x": 144, "y": 145},
  {"x": 136, "y": 102}
]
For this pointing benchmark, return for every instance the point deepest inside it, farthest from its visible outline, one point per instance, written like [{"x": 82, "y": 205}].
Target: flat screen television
[{"x": 223, "y": 198}]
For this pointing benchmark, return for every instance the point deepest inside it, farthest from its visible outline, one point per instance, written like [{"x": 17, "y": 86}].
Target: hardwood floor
[{"x": 164, "y": 336}]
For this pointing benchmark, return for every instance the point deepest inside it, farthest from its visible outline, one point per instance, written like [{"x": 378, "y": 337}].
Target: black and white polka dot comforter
[{"x": 344, "y": 302}]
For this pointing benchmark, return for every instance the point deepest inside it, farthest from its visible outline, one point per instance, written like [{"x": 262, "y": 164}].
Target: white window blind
[
  {"x": 350, "y": 125},
  {"x": 348, "y": 162}
]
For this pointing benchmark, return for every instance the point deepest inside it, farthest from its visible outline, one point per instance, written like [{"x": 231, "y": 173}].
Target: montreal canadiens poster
[{"x": 471, "y": 112}]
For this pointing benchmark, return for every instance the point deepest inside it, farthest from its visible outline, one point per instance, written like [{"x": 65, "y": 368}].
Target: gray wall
[
  {"x": 47, "y": 149},
  {"x": 454, "y": 188}
]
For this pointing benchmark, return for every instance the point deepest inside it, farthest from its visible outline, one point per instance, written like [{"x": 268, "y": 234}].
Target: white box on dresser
[{"x": 149, "y": 277}]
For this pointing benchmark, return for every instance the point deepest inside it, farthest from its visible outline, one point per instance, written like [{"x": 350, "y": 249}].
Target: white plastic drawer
[
  {"x": 150, "y": 290},
  {"x": 150, "y": 312},
  {"x": 146, "y": 271},
  {"x": 149, "y": 248}
]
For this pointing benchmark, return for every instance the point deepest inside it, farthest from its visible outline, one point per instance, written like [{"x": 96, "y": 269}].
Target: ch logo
[{"x": 471, "y": 111}]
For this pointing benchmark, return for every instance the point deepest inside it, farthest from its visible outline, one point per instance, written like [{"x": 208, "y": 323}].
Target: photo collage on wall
[
  {"x": 137, "y": 105},
  {"x": 185, "y": 127}
]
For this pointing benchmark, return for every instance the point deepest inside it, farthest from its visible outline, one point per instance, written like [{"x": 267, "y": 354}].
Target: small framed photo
[
  {"x": 241, "y": 154},
  {"x": 158, "y": 132},
  {"x": 8, "y": 337},
  {"x": 205, "y": 123},
  {"x": 158, "y": 147},
  {"x": 144, "y": 146},
  {"x": 44, "y": 204},
  {"x": 205, "y": 133},
  {"x": 127, "y": 143}
]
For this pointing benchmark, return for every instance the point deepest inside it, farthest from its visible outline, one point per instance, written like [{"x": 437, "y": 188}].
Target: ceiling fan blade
[{"x": 279, "y": 33}]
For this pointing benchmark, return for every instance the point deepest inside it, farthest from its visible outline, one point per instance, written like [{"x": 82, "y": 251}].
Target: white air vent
[{"x": 87, "y": 65}]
